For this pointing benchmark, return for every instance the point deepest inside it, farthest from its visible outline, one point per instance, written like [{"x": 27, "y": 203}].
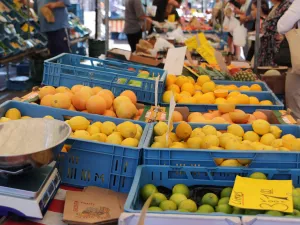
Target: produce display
[
  {"x": 205, "y": 91},
  {"x": 91, "y": 100},
  {"x": 205, "y": 200}
]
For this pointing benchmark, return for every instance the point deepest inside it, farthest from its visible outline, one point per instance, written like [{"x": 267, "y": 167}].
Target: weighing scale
[{"x": 29, "y": 194}]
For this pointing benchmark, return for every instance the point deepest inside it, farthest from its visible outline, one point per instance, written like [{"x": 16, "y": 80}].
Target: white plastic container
[
  {"x": 168, "y": 219},
  {"x": 267, "y": 220}
]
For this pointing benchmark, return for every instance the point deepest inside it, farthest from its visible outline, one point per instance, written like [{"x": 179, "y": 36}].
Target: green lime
[
  {"x": 183, "y": 210},
  {"x": 274, "y": 213},
  {"x": 296, "y": 201},
  {"x": 226, "y": 192},
  {"x": 237, "y": 210},
  {"x": 181, "y": 189},
  {"x": 224, "y": 200},
  {"x": 253, "y": 212},
  {"x": 224, "y": 208},
  {"x": 155, "y": 208},
  {"x": 177, "y": 198},
  {"x": 157, "y": 199},
  {"x": 167, "y": 205},
  {"x": 206, "y": 209},
  {"x": 147, "y": 190},
  {"x": 258, "y": 175},
  {"x": 210, "y": 199},
  {"x": 189, "y": 205}
]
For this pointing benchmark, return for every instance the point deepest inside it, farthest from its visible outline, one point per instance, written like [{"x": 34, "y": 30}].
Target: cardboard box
[
  {"x": 128, "y": 56},
  {"x": 93, "y": 206}
]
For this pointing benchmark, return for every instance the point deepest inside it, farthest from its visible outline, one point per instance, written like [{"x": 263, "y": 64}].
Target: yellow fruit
[
  {"x": 191, "y": 80},
  {"x": 79, "y": 123},
  {"x": 173, "y": 137},
  {"x": 61, "y": 101},
  {"x": 131, "y": 142},
  {"x": 253, "y": 100},
  {"x": 276, "y": 131},
  {"x": 139, "y": 128},
  {"x": 76, "y": 88},
  {"x": 177, "y": 145},
  {"x": 198, "y": 88},
  {"x": 158, "y": 145},
  {"x": 243, "y": 99},
  {"x": 205, "y": 99},
  {"x": 288, "y": 137},
  {"x": 266, "y": 102},
  {"x": 98, "y": 124},
  {"x": 185, "y": 94},
  {"x": 255, "y": 87},
  {"x": 267, "y": 139},
  {"x": 203, "y": 79},
  {"x": 187, "y": 100},
  {"x": 87, "y": 89},
  {"x": 261, "y": 127},
  {"x": 208, "y": 87},
  {"x": 46, "y": 90},
  {"x": 220, "y": 101},
  {"x": 47, "y": 100},
  {"x": 188, "y": 87},
  {"x": 114, "y": 138},
  {"x": 96, "y": 90},
  {"x": 171, "y": 79},
  {"x": 163, "y": 140},
  {"x": 277, "y": 143},
  {"x": 93, "y": 129},
  {"x": 13, "y": 114},
  {"x": 210, "y": 141},
  {"x": 82, "y": 134},
  {"x": 244, "y": 88},
  {"x": 126, "y": 110},
  {"x": 25, "y": 117},
  {"x": 4, "y": 119},
  {"x": 207, "y": 129},
  {"x": 177, "y": 117},
  {"x": 167, "y": 96},
  {"x": 197, "y": 119},
  {"x": 230, "y": 163},
  {"x": 232, "y": 100},
  {"x": 49, "y": 117},
  {"x": 197, "y": 132},
  {"x": 226, "y": 108},
  {"x": 218, "y": 161},
  {"x": 239, "y": 116},
  {"x": 181, "y": 80},
  {"x": 128, "y": 129},
  {"x": 224, "y": 138},
  {"x": 236, "y": 130},
  {"x": 160, "y": 128},
  {"x": 245, "y": 146},
  {"x": 232, "y": 144},
  {"x": 218, "y": 120},
  {"x": 108, "y": 127},
  {"x": 221, "y": 93},
  {"x": 118, "y": 100},
  {"x": 283, "y": 149},
  {"x": 183, "y": 130},
  {"x": 244, "y": 161},
  {"x": 219, "y": 134},
  {"x": 233, "y": 94},
  {"x": 251, "y": 136},
  {"x": 194, "y": 142},
  {"x": 174, "y": 88},
  {"x": 99, "y": 137},
  {"x": 138, "y": 135}
]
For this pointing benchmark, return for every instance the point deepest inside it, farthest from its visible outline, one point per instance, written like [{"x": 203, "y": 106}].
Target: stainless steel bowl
[{"x": 30, "y": 142}]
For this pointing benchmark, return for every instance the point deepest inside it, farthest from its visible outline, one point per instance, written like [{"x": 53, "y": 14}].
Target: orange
[
  {"x": 96, "y": 105},
  {"x": 79, "y": 100},
  {"x": 181, "y": 80},
  {"x": 76, "y": 88},
  {"x": 255, "y": 87},
  {"x": 173, "y": 88},
  {"x": 253, "y": 100},
  {"x": 96, "y": 90},
  {"x": 266, "y": 102},
  {"x": 221, "y": 93},
  {"x": 260, "y": 115},
  {"x": 171, "y": 79},
  {"x": 243, "y": 99},
  {"x": 107, "y": 98},
  {"x": 108, "y": 92},
  {"x": 46, "y": 100},
  {"x": 177, "y": 116},
  {"x": 109, "y": 113},
  {"x": 87, "y": 90},
  {"x": 193, "y": 114},
  {"x": 47, "y": 90},
  {"x": 188, "y": 87},
  {"x": 72, "y": 108},
  {"x": 131, "y": 95},
  {"x": 61, "y": 100},
  {"x": 244, "y": 88}
]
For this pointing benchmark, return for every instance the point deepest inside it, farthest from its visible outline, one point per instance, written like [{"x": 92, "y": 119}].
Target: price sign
[
  {"x": 251, "y": 193},
  {"x": 207, "y": 53},
  {"x": 195, "y": 41}
]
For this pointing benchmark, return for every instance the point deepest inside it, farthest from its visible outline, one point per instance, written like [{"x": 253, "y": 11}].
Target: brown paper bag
[
  {"x": 86, "y": 208},
  {"x": 48, "y": 14},
  {"x": 293, "y": 37}
]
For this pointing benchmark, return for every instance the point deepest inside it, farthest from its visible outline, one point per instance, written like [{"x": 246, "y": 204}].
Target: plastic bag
[
  {"x": 162, "y": 44},
  {"x": 177, "y": 34},
  {"x": 239, "y": 36}
]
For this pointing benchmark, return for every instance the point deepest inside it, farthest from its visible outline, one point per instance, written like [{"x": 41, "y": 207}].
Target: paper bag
[
  {"x": 86, "y": 208},
  {"x": 293, "y": 37},
  {"x": 48, "y": 14}
]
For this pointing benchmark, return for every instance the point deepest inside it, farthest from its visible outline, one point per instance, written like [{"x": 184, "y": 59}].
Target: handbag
[
  {"x": 283, "y": 56},
  {"x": 293, "y": 38}
]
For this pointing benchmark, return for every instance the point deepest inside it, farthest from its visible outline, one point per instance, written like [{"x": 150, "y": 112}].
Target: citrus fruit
[
  {"x": 205, "y": 209},
  {"x": 167, "y": 205},
  {"x": 82, "y": 134},
  {"x": 208, "y": 129},
  {"x": 210, "y": 141},
  {"x": 224, "y": 200},
  {"x": 203, "y": 79},
  {"x": 92, "y": 129},
  {"x": 189, "y": 88},
  {"x": 182, "y": 189},
  {"x": 208, "y": 87},
  {"x": 46, "y": 90},
  {"x": 128, "y": 129},
  {"x": 183, "y": 130},
  {"x": 274, "y": 213},
  {"x": 251, "y": 136},
  {"x": 261, "y": 127},
  {"x": 231, "y": 163},
  {"x": 237, "y": 210},
  {"x": 147, "y": 190},
  {"x": 157, "y": 199},
  {"x": 99, "y": 137},
  {"x": 255, "y": 87},
  {"x": 267, "y": 139},
  {"x": 47, "y": 100},
  {"x": 226, "y": 192},
  {"x": 276, "y": 131},
  {"x": 258, "y": 175},
  {"x": 188, "y": 204},
  {"x": 224, "y": 208},
  {"x": 194, "y": 142},
  {"x": 160, "y": 128},
  {"x": 177, "y": 198},
  {"x": 13, "y": 114},
  {"x": 266, "y": 102},
  {"x": 210, "y": 199},
  {"x": 131, "y": 142},
  {"x": 108, "y": 127},
  {"x": 155, "y": 209},
  {"x": 260, "y": 115},
  {"x": 236, "y": 130},
  {"x": 126, "y": 110},
  {"x": 79, "y": 123},
  {"x": 253, "y": 100}
]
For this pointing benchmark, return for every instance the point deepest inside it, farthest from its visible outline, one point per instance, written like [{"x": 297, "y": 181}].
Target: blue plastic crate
[
  {"x": 168, "y": 176},
  {"x": 68, "y": 70},
  {"x": 262, "y": 84},
  {"x": 277, "y": 104},
  {"x": 89, "y": 163},
  {"x": 205, "y": 157}
]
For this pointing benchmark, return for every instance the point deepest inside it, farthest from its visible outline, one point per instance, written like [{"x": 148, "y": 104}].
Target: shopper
[
  {"x": 57, "y": 32},
  {"x": 134, "y": 19},
  {"x": 271, "y": 39},
  {"x": 292, "y": 83}
]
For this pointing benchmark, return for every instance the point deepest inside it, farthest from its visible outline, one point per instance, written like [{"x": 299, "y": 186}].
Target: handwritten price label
[{"x": 251, "y": 193}]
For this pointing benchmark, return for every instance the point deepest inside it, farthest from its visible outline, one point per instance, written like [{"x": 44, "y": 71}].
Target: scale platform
[{"x": 29, "y": 194}]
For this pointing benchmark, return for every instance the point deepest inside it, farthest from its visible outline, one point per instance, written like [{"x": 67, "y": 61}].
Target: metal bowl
[{"x": 30, "y": 142}]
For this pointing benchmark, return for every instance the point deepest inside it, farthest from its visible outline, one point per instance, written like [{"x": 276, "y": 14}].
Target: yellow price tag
[
  {"x": 251, "y": 193},
  {"x": 196, "y": 41},
  {"x": 207, "y": 53},
  {"x": 171, "y": 18}
]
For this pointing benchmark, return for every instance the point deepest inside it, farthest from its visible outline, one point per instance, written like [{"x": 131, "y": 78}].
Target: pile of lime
[{"x": 211, "y": 202}]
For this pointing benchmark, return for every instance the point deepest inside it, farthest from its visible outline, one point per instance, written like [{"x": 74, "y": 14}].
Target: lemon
[
  {"x": 209, "y": 141},
  {"x": 4, "y": 119},
  {"x": 25, "y": 117},
  {"x": 160, "y": 128},
  {"x": 244, "y": 146},
  {"x": 194, "y": 142},
  {"x": 276, "y": 131},
  {"x": 173, "y": 137},
  {"x": 128, "y": 129},
  {"x": 253, "y": 100},
  {"x": 189, "y": 88},
  {"x": 224, "y": 138},
  {"x": 203, "y": 79},
  {"x": 114, "y": 138},
  {"x": 108, "y": 127},
  {"x": 266, "y": 102},
  {"x": 82, "y": 134},
  {"x": 158, "y": 145},
  {"x": 48, "y": 117},
  {"x": 236, "y": 130},
  {"x": 167, "y": 96},
  {"x": 98, "y": 124},
  {"x": 78, "y": 123},
  {"x": 288, "y": 137},
  {"x": 93, "y": 129},
  {"x": 208, "y": 87},
  {"x": 232, "y": 144},
  {"x": 138, "y": 135},
  {"x": 251, "y": 136},
  {"x": 131, "y": 142},
  {"x": 139, "y": 128},
  {"x": 99, "y": 137},
  {"x": 261, "y": 127},
  {"x": 295, "y": 145},
  {"x": 163, "y": 140},
  {"x": 230, "y": 163},
  {"x": 219, "y": 134},
  {"x": 218, "y": 161},
  {"x": 207, "y": 129},
  {"x": 277, "y": 143},
  {"x": 177, "y": 145},
  {"x": 13, "y": 114},
  {"x": 267, "y": 139}
]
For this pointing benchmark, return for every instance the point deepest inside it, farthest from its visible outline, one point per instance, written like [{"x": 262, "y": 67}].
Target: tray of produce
[{"x": 256, "y": 145}]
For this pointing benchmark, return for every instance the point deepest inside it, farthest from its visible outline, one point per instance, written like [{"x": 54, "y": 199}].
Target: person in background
[
  {"x": 271, "y": 39},
  {"x": 252, "y": 17},
  {"x": 292, "y": 84},
  {"x": 57, "y": 32},
  {"x": 134, "y": 19}
]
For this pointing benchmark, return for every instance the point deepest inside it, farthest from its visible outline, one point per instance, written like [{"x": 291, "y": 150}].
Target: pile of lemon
[
  {"x": 262, "y": 137},
  {"x": 205, "y": 91}
]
